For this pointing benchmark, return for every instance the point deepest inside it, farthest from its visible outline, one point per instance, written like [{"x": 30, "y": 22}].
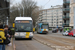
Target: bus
[
  {"x": 23, "y": 27},
  {"x": 42, "y": 27}
]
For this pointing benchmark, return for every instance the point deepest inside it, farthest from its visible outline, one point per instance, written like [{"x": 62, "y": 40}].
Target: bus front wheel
[
  {"x": 16, "y": 38},
  {"x": 30, "y": 38},
  {"x": 37, "y": 32}
]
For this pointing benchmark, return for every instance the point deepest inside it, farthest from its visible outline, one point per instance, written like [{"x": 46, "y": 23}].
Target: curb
[
  {"x": 10, "y": 47},
  {"x": 13, "y": 45}
]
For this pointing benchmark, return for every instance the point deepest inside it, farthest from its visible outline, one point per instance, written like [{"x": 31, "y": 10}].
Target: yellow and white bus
[{"x": 23, "y": 27}]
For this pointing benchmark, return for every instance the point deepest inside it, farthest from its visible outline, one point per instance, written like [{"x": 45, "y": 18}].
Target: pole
[
  {"x": 46, "y": 15},
  {"x": 19, "y": 12},
  {"x": 7, "y": 20},
  {"x": 74, "y": 17},
  {"x": 23, "y": 11},
  {"x": 74, "y": 21}
]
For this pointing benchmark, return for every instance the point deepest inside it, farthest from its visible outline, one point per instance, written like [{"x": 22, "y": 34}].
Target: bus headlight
[
  {"x": 16, "y": 34},
  {"x": 31, "y": 34},
  {"x": 46, "y": 29}
]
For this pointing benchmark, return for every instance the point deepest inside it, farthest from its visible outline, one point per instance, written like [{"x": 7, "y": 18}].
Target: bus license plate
[
  {"x": 27, "y": 34},
  {"x": 44, "y": 29}
]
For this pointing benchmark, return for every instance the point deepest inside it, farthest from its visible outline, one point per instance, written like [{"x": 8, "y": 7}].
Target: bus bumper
[
  {"x": 23, "y": 37},
  {"x": 45, "y": 32}
]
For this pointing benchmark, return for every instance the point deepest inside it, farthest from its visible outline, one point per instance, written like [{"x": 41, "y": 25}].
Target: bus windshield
[
  {"x": 23, "y": 27},
  {"x": 44, "y": 26}
]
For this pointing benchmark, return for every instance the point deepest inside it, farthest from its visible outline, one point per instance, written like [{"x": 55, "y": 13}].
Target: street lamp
[
  {"x": 74, "y": 22},
  {"x": 19, "y": 11},
  {"x": 7, "y": 20},
  {"x": 23, "y": 10}
]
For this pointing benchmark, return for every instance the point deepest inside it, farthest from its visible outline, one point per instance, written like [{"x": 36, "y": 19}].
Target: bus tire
[
  {"x": 30, "y": 38},
  {"x": 16, "y": 38},
  {"x": 37, "y": 32}
]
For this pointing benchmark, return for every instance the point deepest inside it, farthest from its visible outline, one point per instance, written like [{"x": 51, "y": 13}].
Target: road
[
  {"x": 50, "y": 41},
  {"x": 30, "y": 45}
]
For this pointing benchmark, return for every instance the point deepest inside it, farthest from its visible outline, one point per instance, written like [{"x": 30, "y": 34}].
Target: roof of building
[{"x": 54, "y": 7}]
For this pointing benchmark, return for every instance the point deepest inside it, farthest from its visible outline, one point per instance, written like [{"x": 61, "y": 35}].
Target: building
[
  {"x": 53, "y": 16},
  {"x": 72, "y": 11},
  {"x": 66, "y": 11},
  {"x": 4, "y": 10}
]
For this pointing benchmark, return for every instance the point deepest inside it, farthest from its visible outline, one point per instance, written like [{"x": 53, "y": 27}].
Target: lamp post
[
  {"x": 19, "y": 11},
  {"x": 74, "y": 22},
  {"x": 46, "y": 15},
  {"x": 7, "y": 20},
  {"x": 23, "y": 11}
]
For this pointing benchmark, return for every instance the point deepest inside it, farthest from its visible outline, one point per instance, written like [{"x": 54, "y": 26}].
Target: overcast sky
[{"x": 45, "y": 3}]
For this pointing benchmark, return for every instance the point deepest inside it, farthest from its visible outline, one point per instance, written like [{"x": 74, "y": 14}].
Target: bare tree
[
  {"x": 11, "y": 1},
  {"x": 13, "y": 13},
  {"x": 30, "y": 10}
]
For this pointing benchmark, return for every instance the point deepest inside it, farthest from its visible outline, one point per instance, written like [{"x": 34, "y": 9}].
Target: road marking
[
  {"x": 66, "y": 41},
  {"x": 54, "y": 47},
  {"x": 44, "y": 43},
  {"x": 49, "y": 45},
  {"x": 58, "y": 49}
]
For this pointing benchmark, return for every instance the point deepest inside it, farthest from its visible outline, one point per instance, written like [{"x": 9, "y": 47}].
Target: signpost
[{"x": 57, "y": 26}]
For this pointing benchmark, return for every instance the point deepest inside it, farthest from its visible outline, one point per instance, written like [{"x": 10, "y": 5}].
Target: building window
[
  {"x": 67, "y": 14},
  {"x": 74, "y": 0},
  {"x": 60, "y": 21},
  {"x": 54, "y": 25},
  {"x": 70, "y": 10},
  {"x": 60, "y": 24},
  {"x": 0, "y": 5},
  {"x": 67, "y": 6},
  {"x": 67, "y": 0}
]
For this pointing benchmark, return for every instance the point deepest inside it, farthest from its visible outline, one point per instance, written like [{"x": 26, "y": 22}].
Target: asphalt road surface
[{"x": 50, "y": 41}]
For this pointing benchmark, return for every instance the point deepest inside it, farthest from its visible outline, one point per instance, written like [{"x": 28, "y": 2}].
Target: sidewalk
[{"x": 10, "y": 47}]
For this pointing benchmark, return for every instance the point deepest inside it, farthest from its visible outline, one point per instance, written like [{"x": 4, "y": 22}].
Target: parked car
[
  {"x": 71, "y": 33},
  {"x": 66, "y": 33},
  {"x": 54, "y": 30}
]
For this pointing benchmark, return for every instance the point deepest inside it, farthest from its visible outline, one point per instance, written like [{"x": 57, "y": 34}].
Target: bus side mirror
[{"x": 33, "y": 29}]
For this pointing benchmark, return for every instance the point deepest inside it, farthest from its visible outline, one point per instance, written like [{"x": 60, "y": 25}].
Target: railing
[
  {"x": 66, "y": 2},
  {"x": 66, "y": 9},
  {"x": 65, "y": 24},
  {"x": 66, "y": 17}
]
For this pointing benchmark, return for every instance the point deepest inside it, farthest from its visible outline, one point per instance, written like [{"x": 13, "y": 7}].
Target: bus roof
[{"x": 23, "y": 18}]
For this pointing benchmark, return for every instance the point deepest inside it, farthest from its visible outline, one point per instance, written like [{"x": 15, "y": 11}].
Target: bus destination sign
[{"x": 22, "y": 22}]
